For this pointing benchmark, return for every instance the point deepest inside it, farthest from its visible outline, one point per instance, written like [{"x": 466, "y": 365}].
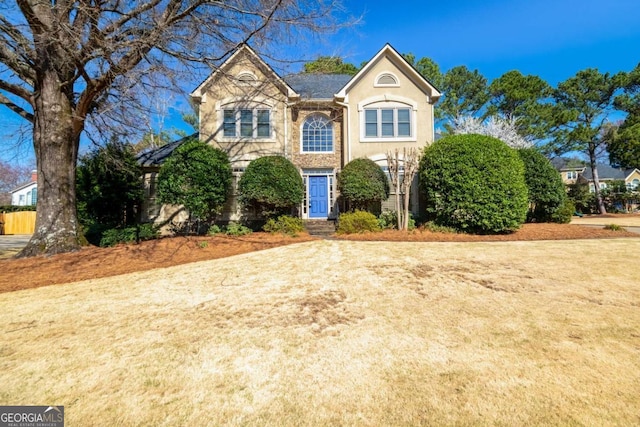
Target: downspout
[
  {"x": 348, "y": 138},
  {"x": 286, "y": 129}
]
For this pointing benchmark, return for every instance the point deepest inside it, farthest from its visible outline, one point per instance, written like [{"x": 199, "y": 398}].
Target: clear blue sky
[{"x": 553, "y": 39}]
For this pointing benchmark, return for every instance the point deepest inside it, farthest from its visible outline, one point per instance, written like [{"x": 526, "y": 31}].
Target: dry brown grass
[{"x": 359, "y": 333}]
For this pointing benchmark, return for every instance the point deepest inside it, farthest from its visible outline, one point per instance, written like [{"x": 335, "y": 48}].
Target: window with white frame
[
  {"x": 317, "y": 134},
  {"x": 246, "y": 123},
  {"x": 386, "y": 79},
  {"x": 387, "y": 122},
  {"x": 572, "y": 175}
]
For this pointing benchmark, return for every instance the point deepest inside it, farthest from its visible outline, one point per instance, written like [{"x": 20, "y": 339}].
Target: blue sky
[{"x": 553, "y": 39}]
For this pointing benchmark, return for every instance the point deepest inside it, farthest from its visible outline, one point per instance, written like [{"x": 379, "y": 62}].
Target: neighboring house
[
  {"x": 569, "y": 169},
  {"x": 607, "y": 174},
  {"x": 318, "y": 121},
  {"x": 26, "y": 194}
]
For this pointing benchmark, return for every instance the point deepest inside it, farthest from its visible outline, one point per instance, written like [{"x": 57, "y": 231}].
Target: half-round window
[
  {"x": 317, "y": 134},
  {"x": 246, "y": 78},
  {"x": 387, "y": 79}
]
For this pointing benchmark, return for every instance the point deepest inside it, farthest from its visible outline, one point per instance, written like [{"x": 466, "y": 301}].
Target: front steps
[{"x": 320, "y": 227}]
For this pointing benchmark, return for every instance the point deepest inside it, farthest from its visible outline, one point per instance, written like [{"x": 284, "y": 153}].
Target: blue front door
[{"x": 318, "y": 204}]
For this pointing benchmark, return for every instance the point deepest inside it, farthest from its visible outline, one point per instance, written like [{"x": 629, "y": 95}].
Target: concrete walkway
[{"x": 13, "y": 242}]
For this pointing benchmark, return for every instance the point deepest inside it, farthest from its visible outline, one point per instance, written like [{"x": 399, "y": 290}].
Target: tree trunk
[
  {"x": 596, "y": 182},
  {"x": 56, "y": 137}
]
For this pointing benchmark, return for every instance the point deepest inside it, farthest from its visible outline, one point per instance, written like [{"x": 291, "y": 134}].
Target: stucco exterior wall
[
  {"x": 365, "y": 91},
  {"x": 226, "y": 91}
]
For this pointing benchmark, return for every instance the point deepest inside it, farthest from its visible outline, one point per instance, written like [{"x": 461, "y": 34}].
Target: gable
[
  {"x": 388, "y": 69},
  {"x": 243, "y": 70}
]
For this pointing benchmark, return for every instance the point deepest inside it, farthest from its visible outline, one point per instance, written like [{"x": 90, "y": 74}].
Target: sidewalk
[{"x": 12, "y": 243}]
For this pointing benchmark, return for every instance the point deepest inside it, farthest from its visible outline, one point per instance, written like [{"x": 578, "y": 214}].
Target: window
[
  {"x": 386, "y": 79},
  {"x": 635, "y": 183},
  {"x": 317, "y": 134},
  {"x": 246, "y": 123},
  {"x": 572, "y": 175},
  {"x": 246, "y": 78},
  {"x": 34, "y": 196},
  {"x": 387, "y": 122}
]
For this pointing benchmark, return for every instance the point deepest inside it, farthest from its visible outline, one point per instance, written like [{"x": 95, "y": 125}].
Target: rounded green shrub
[
  {"x": 474, "y": 183},
  {"x": 284, "y": 224},
  {"x": 547, "y": 193},
  {"x": 197, "y": 176},
  {"x": 271, "y": 185},
  {"x": 357, "y": 222},
  {"x": 362, "y": 182}
]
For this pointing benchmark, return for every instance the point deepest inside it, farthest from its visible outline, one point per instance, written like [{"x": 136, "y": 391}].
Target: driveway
[
  {"x": 631, "y": 222},
  {"x": 13, "y": 243}
]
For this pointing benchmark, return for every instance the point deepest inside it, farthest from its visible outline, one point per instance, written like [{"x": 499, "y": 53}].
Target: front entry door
[{"x": 318, "y": 203}]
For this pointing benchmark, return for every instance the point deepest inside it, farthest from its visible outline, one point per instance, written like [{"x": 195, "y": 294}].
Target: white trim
[
  {"x": 330, "y": 174},
  {"x": 387, "y": 101}
]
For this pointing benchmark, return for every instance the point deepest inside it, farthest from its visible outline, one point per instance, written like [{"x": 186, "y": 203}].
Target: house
[
  {"x": 608, "y": 174},
  {"x": 320, "y": 122},
  {"x": 569, "y": 169},
  {"x": 26, "y": 194}
]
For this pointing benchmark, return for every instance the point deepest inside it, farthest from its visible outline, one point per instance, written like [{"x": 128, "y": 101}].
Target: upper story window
[
  {"x": 317, "y": 134},
  {"x": 386, "y": 79},
  {"x": 572, "y": 175},
  {"x": 246, "y": 123},
  {"x": 394, "y": 122}
]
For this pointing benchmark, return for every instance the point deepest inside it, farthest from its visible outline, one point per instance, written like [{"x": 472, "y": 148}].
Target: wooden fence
[{"x": 17, "y": 222}]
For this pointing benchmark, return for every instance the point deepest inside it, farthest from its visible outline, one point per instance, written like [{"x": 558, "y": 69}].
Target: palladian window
[{"x": 317, "y": 134}]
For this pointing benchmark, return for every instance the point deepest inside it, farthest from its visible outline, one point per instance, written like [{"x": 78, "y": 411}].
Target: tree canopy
[
  {"x": 330, "y": 65},
  {"x": 583, "y": 103}
]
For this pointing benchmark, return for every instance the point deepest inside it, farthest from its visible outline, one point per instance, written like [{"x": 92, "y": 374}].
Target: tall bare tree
[{"x": 68, "y": 65}]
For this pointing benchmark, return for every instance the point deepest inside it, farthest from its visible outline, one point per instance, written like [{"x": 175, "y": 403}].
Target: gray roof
[
  {"x": 562, "y": 163},
  {"x": 156, "y": 157},
  {"x": 317, "y": 86},
  {"x": 607, "y": 172}
]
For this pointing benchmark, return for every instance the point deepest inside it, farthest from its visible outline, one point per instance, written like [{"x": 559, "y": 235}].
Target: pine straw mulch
[{"x": 93, "y": 262}]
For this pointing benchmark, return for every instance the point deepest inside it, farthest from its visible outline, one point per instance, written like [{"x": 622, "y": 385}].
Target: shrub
[
  {"x": 583, "y": 200},
  {"x": 547, "y": 192},
  {"x": 613, "y": 227},
  {"x": 197, "y": 176},
  {"x": 235, "y": 229},
  {"x": 435, "y": 228},
  {"x": 113, "y": 236},
  {"x": 215, "y": 229},
  {"x": 14, "y": 208},
  {"x": 284, "y": 224},
  {"x": 564, "y": 213},
  {"x": 362, "y": 182},
  {"x": 474, "y": 183},
  {"x": 271, "y": 185},
  {"x": 108, "y": 186},
  {"x": 389, "y": 220},
  {"x": 357, "y": 222}
]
